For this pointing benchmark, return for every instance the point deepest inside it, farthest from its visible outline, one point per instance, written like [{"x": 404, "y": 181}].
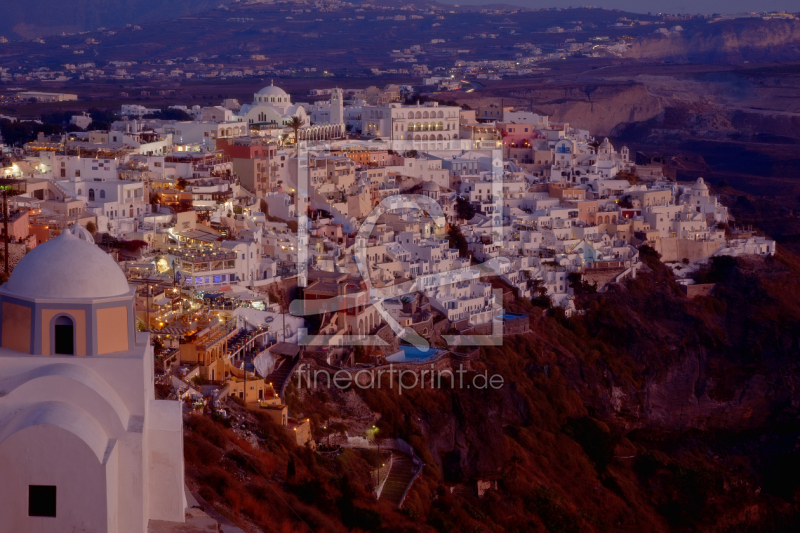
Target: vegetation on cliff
[{"x": 649, "y": 412}]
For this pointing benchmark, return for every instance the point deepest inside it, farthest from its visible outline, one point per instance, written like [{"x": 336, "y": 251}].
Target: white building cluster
[{"x": 221, "y": 199}]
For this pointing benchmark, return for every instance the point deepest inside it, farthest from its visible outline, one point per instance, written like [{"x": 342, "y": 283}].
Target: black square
[{"x": 41, "y": 500}]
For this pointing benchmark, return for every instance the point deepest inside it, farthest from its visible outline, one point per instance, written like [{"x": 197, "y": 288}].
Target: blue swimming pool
[
  {"x": 412, "y": 353},
  {"x": 507, "y": 316}
]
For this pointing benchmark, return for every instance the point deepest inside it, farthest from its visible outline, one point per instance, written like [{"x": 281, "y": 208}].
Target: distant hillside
[
  {"x": 38, "y": 18},
  {"x": 725, "y": 42}
]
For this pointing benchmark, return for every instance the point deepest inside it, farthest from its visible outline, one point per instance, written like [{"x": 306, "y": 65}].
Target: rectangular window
[
  {"x": 42, "y": 500},
  {"x": 64, "y": 337}
]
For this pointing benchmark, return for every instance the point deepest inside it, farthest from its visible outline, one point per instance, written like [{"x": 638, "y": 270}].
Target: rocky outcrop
[
  {"x": 725, "y": 42},
  {"x": 683, "y": 397},
  {"x": 464, "y": 441},
  {"x": 594, "y": 107}
]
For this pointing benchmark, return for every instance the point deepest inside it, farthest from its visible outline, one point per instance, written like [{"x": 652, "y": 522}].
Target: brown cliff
[{"x": 725, "y": 42}]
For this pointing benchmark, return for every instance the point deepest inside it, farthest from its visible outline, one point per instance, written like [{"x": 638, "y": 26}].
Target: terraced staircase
[
  {"x": 282, "y": 373},
  {"x": 400, "y": 478}
]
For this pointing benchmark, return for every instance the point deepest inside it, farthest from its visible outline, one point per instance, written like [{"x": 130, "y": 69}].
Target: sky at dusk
[{"x": 656, "y": 6}]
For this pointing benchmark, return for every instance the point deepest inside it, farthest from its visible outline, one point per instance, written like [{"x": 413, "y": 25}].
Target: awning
[
  {"x": 199, "y": 236},
  {"x": 163, "y": 301},
  {"x": 169, "y": 330}
]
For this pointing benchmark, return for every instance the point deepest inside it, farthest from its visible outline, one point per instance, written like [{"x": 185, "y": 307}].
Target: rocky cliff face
[
  {"x": 728, "y": 361},
  {"x": 662, "y": 395},
  {"x": 597, "y": 107},
  {"x": 725, "y": 42}
]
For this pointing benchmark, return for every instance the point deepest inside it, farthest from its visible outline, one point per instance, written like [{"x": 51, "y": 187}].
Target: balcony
[
  {"x": 198, "y": 256},
  {"x": 216, "y": 336}
]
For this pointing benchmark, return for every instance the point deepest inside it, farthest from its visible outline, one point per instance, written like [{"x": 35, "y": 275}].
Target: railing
[
  {"x": 216, "y": 337},
  {"x": 205, "y": 257},
  {"x": 419, "y": 464},
  {"x": 170, "y": 357},
  {"x": 258, "y": 336},
  {"x": 381, "y": 482}
]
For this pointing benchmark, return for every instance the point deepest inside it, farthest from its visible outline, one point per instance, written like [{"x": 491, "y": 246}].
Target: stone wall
[
  {"x": 285, "y": 289},
  {"x": 510, "y": 327},
  {"x": 699, "y": 289},
  {"x": 601, "y": 276},
  {"x": 438, "y": 329},
  {"x": 423, "y": 328},
  {"x": 675, "y": 249},
  {"x": 16, "y": 252},
  {"x": 393, "y": 341}
]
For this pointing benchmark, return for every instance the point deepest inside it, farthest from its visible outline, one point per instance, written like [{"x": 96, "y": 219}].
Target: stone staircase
[
  {"x": 399, "y": 480},
  {"x": 282, "y": 373}
]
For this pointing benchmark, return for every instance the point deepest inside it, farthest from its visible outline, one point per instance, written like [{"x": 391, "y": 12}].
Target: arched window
[
  {"x": 64, "y": 330},
  {"x": 441, "y": 115},
  {"x": 425, "y": 114},
  {"x": 91, "y": 195},
  {"x": 102, "y": 194}
]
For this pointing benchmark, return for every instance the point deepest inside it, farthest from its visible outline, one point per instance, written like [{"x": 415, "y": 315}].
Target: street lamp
[{"x": 372, "y": 433}]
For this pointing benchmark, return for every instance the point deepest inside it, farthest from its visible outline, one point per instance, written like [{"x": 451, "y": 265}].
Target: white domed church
[
  {"x": 273, "y": 106},
  {"x": 84, "y": 445}
]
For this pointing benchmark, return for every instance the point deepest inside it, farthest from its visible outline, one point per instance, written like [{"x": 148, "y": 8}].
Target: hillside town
[
  {"x": 351, "y": 233},
  {"x": 442, "y": 49},
  {"x": 390, "y": 267}
]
